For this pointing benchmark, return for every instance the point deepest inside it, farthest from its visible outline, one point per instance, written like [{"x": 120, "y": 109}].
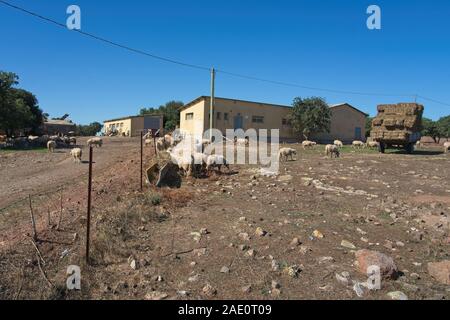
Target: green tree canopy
[
  {"x": 310, "y": 115},
  {"x": 443, "y": 126},
  {"x": 430, "y": 129},
  {"x": 19, "y": 108},
  {"x": 89, "y": 130},
  {"x": 170, "y": 111}
]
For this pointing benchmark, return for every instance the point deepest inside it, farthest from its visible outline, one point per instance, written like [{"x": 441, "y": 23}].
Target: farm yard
[{"x": 236, "y": 235}]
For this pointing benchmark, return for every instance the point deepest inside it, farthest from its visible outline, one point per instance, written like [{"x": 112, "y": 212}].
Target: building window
[
  {"x": 189, "y": 116},
  {"x": 225, "y": 116},
  {"x": 219, "y": 116},
  {"x": 286, "y": 122},
  {"x": 258, "y": 119}
]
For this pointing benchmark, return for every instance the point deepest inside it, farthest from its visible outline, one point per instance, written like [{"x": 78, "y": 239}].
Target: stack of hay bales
[{"x": 398, "y": 123}]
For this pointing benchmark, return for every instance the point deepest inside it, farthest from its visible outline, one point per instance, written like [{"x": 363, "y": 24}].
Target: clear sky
[{"x": 309, "y": 42}]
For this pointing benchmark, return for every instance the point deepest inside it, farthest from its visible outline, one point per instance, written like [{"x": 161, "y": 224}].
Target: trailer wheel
[
  {"x": 409, "y": 148},
  {"x": 382, "y": 147}
]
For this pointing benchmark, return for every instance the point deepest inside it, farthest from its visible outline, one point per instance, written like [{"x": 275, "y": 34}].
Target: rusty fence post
[
  {"x": 142, "y": 159},
  {"x": 88, "y": 228}
]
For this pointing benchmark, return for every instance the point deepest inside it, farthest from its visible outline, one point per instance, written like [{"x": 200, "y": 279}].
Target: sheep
[
  {"x": 308, "y": 144},
  {"x": 372, "y": 144},
  {"x": 51, "y": 146},
  {"x": 73, "y": 140},
  {"x": 98, "y": 142},
  {"x": 200, "y": 161},
  {"x": 32, "y": 138},
  {"x": 216, "y": 161},
  {"x": 185, "y": 163},
  {"x": 447, "y": 147},
  {"x": 76, "y": 154},
  {"x": 170, "y": 141},
  {"x": 3, "y": 139},
  {"x": 358, "y": 144},
  {"x": 162, "y": 145},
  {"x": 148, "y": 142},
  {"x": 338, "y": 143},
  {"x": 331, "y": 150},
  {"x": 241, "y": 142},
  {"x": 285, "y": 153}
]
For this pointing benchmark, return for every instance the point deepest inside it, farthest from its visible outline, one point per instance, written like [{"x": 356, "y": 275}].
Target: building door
[
  {"x": 238, "y": 122},
  {"x": 358, "y": 134}
]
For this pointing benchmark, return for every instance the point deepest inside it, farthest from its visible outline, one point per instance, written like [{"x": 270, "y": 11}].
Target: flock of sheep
[
  {"x": 332, "y": 150},
  {"x": 76, "y": 153}
]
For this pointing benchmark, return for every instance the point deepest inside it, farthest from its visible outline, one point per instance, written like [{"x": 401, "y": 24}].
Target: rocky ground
[{"x": 308, "y": 233}]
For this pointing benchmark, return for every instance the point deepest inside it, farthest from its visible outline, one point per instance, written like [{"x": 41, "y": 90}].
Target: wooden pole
[
  {"x": 60, "y": 210},
  {"x": 33, "y": 221},
  {"x": 211, "y": 105},
  {"x": 142, "y": 159},
  {"x": 88, "y": 228}
]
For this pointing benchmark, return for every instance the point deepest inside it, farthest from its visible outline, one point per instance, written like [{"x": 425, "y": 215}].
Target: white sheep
[
  {"x": 308, "y": 144},
  {"x": 185, "y": 163},
  {"x": 73, "y": 140},
  {"x": 216, "y": 161},
  {"x": 372, "y": 144},
  {"x": 285, "y": 153},
  {"x": 200, "y": 161},
  {"x": 51, "y": 146},
  {"x": 98, "y": 142},
  {"x": 148, "y": 142},
  {"x": 242, "y": 142},
  {"x": 331, "y": 150},
  {"x": 358, "y": 144},
  {"x": 76, "y": 154},
  {"x": 447, "y": 147},
  {"x": 338, "y": 143}
]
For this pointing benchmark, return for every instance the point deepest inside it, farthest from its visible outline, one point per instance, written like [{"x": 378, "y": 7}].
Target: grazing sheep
[
  {"x": 241, "y": 142},
  {"x": 358, "y": 144},
  {"x": 372, "y": 144},
  {"x": 308, "y": 144},
  {"x": 76, "y": 154},
  {"x": 285, "y": 153},
  {"x": 170, "y": 141},
  {"x": 331, "y": 150},
  {"x": 216, "y": 161},
  {"x": 51, "y": 146},
  {"x": 200, "y": 161},
  {"x": 73, "y": 140},
  {"x": 338, "y": 143},
  {"x": 97, "y": 142},
  {"x": 185, "y": 163},
  {"x": 32, "y": 138},
  {"x": 148, "y": 142},
  {"x": 447, "y": 147}
]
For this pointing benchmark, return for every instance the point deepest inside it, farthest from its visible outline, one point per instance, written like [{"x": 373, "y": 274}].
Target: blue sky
[{"x": 313, "y": 43}]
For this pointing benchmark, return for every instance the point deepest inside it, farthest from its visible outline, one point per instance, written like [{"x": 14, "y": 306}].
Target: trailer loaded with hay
[{"x": 397, "y": 125}]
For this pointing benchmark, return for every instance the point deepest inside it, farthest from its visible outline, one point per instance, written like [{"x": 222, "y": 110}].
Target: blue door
[
  {"x": 238, "y": 122},
  {"x": 358, "y": 134}
]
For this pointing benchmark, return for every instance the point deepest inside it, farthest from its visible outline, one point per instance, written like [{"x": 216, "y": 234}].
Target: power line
[
  {"x": 312, "y": 88},
  {"x": 105, "y": 40},
  {"x": 199, "y": 67}
]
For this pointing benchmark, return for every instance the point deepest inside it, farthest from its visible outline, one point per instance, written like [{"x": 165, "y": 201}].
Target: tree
[
  {"x": 430, "y": 129},
  {"x": 443, "y": 126},
  {"x": 19, "y": 108},
  {"x": 310, "y": 115},
  {"x": 170, "y": 111},
  {"x": 89, "y": 130},
  {"x": 368, "y": 126}
]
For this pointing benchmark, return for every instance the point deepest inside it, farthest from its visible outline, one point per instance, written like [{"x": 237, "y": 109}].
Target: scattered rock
[
  {"x": 134, "y": 264},
  {"x": 156, "y": 295},
  {"x": 209, "y": 291},
  {"x": 275, "y": 266},
  {"x": 292, "y": 271},
  {"x": 244, "y": 236},
  {"x": 367, "y": 258},
  {"x": 260, "y": 232},
  {"x": 275, "y": 285},
  {"x": 397, "y": 295},
  {"x": 295, "y": 242},
  {"x": 348, "y": 245},
  {"x": 440, "y": 271},
  {"x": 342, "y": 279},
  {"x": 225, "y": 269},
  {"x": 317, "y": 234},
  {"x": 322, "y": 260},
  {"x": 247, "y": 289}
]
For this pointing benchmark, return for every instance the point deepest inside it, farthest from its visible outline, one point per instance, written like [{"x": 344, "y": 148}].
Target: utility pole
[{"x": 211, "y": 107}]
